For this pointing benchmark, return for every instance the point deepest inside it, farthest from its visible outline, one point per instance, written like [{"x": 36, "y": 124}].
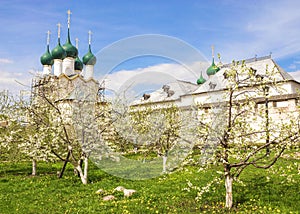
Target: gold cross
[
  {"x": 90, "y": 37},
  {"x": 58, "y": 31},
  {"x": 48, "y": 37},
  {"x": 69, "y": 17}
]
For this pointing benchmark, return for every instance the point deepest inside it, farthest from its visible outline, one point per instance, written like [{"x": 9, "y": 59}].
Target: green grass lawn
[{"x": 259, "y": 191}]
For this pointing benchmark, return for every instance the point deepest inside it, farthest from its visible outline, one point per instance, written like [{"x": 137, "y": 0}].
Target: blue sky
[{"x": 238, "y": 29}]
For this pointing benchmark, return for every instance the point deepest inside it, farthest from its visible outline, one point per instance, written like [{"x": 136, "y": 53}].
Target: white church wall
[
  {"x": 68, "y": 66},
  {"x": 57, "y": 67}
]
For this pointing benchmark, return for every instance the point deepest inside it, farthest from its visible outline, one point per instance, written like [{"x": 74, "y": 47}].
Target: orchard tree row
[{"x": 235, "y": 131}]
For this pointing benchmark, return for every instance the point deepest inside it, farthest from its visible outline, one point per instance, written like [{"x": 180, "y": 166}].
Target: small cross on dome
[
  {"x": 69, "y": 17},
  {"x": 48, "y": 37},
  {"x": 58, "y": 31},
  {"x": 212, "y": 51},
  {"x": 90, "y": 37}
]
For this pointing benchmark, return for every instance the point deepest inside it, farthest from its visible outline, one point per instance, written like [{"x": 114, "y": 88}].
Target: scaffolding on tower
[{"x": 101, "y": 91}]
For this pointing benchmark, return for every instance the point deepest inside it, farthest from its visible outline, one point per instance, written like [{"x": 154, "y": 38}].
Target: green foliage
[
  {"x": 12, "y": 119},
  {"x": 172, "y": 124},
  {"x": 258, "y": 191},
  {"x": 147, "y": 128},
  {"x": 244, "y": 129}
]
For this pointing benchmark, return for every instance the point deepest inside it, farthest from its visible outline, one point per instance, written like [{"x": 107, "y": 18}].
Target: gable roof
[
  {"x": 215, "y": 82},
  {"x": 168, "y": 92},
  {"x": 261, "y": 65}
]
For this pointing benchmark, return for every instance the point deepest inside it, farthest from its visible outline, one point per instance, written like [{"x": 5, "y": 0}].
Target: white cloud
[
  {"x": 156, "y": 74},
  {"x": 14, "y": 82},
  {"x": 295, "y": 75},
  {"x": 274, "y": 27},
  {"x": 5, "y": 61},
  {"x": 292, "y": 66}
]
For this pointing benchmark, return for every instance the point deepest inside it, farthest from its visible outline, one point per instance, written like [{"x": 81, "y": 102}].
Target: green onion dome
[
  {"x": 46, "y": 58},
  {"x": 71, "y": 50},
  {"x": 58, "y": 52},
  {"x": 78, "y": 64},
  {"x": 201, "y": 80},
  {"x": 89, "y": 58},
  {"x": 213, "y": 69}
]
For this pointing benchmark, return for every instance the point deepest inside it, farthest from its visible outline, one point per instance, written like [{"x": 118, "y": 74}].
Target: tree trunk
[
  {"x": 34, "y": 167},
  {"x": 83, "y": 175},
  {"x": 165, "y": 158},
  {"x": 228, "y": 186},
  {"x": 86, "y": 167},
  {"x": 64, "y": 166},
  {"x": 80, "y": 163}
]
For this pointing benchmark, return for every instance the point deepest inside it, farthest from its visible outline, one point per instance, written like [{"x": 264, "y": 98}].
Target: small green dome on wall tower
[
  {"x": 213, "y": 69},
  {"x": 201, "y": 80}
]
